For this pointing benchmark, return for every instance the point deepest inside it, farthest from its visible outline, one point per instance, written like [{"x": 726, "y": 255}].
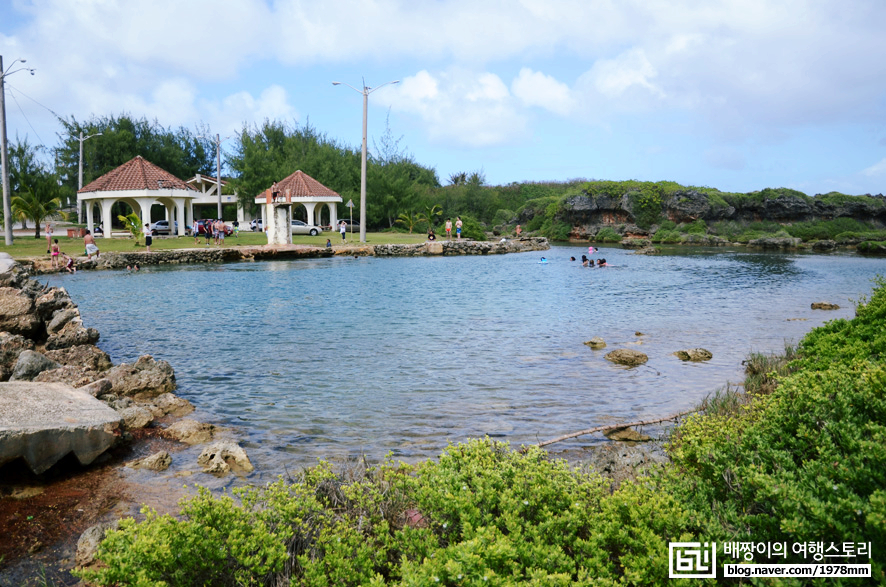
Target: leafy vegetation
[{"x": 799, "y": 458}]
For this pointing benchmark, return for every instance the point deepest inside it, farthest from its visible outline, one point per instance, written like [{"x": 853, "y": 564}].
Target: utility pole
[
  {"x": 4, "y": 158},
  {"x": 80, "y": 172}
]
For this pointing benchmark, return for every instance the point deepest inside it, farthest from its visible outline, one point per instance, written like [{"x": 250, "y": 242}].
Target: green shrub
[
  {"x": 668, "y": 225},
  {"x": 697, "y": 227},
  {"x": 666, "y": 236},
  {"x": 607, "y": 235}
]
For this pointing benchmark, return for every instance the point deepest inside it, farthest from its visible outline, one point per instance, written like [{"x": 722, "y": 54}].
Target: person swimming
[
  {"x": 543, "y": 260},
  {"x": 584, "y": 260}
]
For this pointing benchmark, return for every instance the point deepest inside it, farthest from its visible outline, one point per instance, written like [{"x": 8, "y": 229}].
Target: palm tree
[
  {"x": 132, "y": 223},
  {"x": 37, "y": 205},
  {"x": 409, "y": 219},
  {"x": 430, "y": 212}
]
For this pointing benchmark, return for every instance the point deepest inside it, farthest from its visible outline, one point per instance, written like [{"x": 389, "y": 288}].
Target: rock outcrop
[
  {"x": 695, "y": 355},
  {"x": 628, "y": 357}
]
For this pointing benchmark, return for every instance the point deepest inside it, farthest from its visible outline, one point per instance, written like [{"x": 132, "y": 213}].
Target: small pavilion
[
  {"x": 302, "y": 189},
  {"x": 141, "y": 184}
]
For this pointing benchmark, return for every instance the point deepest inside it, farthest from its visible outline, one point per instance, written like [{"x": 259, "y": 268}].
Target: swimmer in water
[{"x": 584, "y": 260}]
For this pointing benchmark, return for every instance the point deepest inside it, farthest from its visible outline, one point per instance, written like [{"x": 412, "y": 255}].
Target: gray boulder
[
  {"x": 72, "y": 334},
  {"x": 87, "y": 545},
  {"x": 61, "y": 318},
  {"x": 173, "y": 405},
  {"x": 73, "y": 375},
  {"x": 30, "y": 364},
  {"x": 596, "y": 343},
  {"x": 48, "y": 302}
]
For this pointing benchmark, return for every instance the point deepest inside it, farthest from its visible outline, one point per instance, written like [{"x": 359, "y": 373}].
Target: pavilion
[
  {"x": 306, "y": 191},
  {"x": 141, "y": 184}
]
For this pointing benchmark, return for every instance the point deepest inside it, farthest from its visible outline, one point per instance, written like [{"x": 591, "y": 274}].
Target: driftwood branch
[{"x": 615, "y": 427}]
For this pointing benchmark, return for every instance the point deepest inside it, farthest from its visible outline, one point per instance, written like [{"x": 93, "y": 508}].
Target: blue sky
[{"x": 734, "y": 94}]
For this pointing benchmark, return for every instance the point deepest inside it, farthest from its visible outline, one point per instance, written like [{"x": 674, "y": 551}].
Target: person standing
[
  {"x": 148, "y": 237},
  {"x": 458, "y": 225},
  {"x": 91, "y": 247},
  {"x": 343, "y": 227},
  {"x": 221, "y": 232},
  {"x": 48, "y": 237},
  {"x": 449, "y": 229},
  {"x": 55, "y": 251},
  {"x": 519, "y": 231}
]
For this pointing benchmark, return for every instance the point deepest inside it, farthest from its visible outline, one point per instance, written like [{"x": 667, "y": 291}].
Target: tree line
[{"x": 401, "y": 192}]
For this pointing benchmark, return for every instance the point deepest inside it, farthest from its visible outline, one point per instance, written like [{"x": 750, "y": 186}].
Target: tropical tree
[
  {"x": 410, "y": 219},
  {"x": 430, "y": 213},
  {"x": 132, "y": 223},
  {"x": 37, "y": 205}
]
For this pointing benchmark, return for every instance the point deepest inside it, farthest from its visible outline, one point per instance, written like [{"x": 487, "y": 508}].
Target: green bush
[
  {"x": 668, "y": 225},
  {"x": 607, "y": 235},
  {"x": 667, "y": 236},
  {"x": 697, "y": 227}
]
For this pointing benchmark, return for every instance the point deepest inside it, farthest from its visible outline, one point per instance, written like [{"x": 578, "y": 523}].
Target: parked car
[
  {"x": 255, "y": 225},
  {"x": 205, "y": 225},
  {"x": 351, "y": 226},
  {"x": 162, "y": 227},
  {"x": 299, "y": 227}
]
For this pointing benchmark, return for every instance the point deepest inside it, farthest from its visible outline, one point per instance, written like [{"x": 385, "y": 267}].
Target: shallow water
[{"x": 342, "y": 357}]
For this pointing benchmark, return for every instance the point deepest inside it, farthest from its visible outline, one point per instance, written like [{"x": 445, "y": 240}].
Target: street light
[
  {"x": 4, "y": 163},
  {"x": 80, "y": 171},
  {"x": 218, "y": 142},
  {"x": 366, "y": 91}
]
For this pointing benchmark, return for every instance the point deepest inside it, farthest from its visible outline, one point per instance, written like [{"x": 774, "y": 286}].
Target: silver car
[{"x": 299, "y": 227}]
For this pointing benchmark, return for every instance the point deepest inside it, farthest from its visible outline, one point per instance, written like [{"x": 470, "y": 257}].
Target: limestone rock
[
  {"x": 7, "y": 263},
  {"x": 636, "y": 243},
  {"x": 622, "y": 461},
  {"x": 222, "y": 457},
  {"x": 71, "y": 374},
  {"x": 626, "y": 434},
  {"x": 17, "y": 314},
  {"x": 694, "y": 355},
  {"x": 173, "y": 405},
  {"x": 824, "y": 306},
  {"x": 87, "y": 545},
  {"x": 824, "y": 245},
  {"x": 136, "y": 417},
  {"x": 780, "y": 243},
  {"x": 596, "y": 343},
  {"x": 627, "y": 357},
  {"x": 85, "y": 355},
  {"x": 190, "y": 431},
  {"x": 51, "y": 301},
  {"x": 72, "y": 334},
  {"x": 11, "y": 346},
  {"x": 97, "y": 388},
  {"x": 647, "y": 251},
  {"x": 158, "y": 461},
  {"x": 61, "y": 318},
  {"x": 144, "y": 380},
  {"x": 30, "y": 364}
]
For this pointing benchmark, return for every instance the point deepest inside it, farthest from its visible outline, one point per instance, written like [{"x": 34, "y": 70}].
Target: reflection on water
[{"x": 326, "y": 357}]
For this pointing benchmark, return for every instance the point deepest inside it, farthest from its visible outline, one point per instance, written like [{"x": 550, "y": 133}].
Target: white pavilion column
[
  {"x": 182, "y": 219},
  {"x": 333, "y": 215},
  {"x": 90, "y": 225},
  {"x": 309, "y": 212},
  {"x": 145, "y": 214},
  {"x": 107, "y": 204}
]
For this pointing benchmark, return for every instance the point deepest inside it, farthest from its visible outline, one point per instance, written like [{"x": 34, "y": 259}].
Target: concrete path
[{"x": 43, "y": 422}]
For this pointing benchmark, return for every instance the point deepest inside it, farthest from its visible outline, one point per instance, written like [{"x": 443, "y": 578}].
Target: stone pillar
[
  {"x": 106, "y": 217},
  {"x": 278, "y": 224},
  {"x": 182, "y": 219}
]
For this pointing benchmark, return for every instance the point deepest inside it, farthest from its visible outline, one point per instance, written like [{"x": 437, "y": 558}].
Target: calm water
[{"x": 341, "y": 357}]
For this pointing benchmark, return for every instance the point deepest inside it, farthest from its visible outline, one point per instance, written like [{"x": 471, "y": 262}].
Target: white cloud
[
  {"x": 459, "y": 106},
  {"x": 241, "y": 108},
  {"x": 534, "y": 88},
  {"x": 876, "y": 169}
]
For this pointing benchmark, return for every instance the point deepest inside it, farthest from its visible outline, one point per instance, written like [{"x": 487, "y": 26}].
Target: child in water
[{"x": 584, "y": 260}]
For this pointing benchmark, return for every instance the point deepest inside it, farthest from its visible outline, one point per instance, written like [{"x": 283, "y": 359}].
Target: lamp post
[
  {"x": 4, "y": 160},
  {"x": 80, "y": 171},
  {"x": 366, "y": 91},
  {"x": 218, "y": 142}
]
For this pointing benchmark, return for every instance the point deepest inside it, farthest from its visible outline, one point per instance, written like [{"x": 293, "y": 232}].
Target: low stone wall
[{"x": 114, "y": 260}]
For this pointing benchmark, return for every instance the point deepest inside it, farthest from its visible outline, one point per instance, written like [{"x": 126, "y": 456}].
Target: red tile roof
[
  {"x": 302, "y": 185},
  {"x": 136, "y": 174}
]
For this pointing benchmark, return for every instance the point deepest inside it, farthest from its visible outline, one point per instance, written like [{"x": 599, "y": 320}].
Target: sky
[{"x": 739, "y": 95}]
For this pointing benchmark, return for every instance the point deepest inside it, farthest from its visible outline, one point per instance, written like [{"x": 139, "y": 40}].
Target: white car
[
  {"x": 162, "y": 227},
  {"x": 299, "y": 227}
]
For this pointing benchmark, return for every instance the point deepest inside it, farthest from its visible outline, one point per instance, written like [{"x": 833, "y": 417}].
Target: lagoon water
[{"x": 343, "y": 357}]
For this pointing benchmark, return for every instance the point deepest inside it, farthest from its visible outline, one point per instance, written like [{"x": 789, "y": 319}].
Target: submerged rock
[
  {"x": 190, "y": 431},
  {"x": 627, "y": 357},
  {"x": 596, "y": 343},
  {"x": 824, "y": 306},
  {"x": 158, "y": 461},
  {"x": 694, "y": 355}
]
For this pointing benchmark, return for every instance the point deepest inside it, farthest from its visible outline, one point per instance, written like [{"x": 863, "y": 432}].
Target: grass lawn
[{"x": 24, "y": 247}]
